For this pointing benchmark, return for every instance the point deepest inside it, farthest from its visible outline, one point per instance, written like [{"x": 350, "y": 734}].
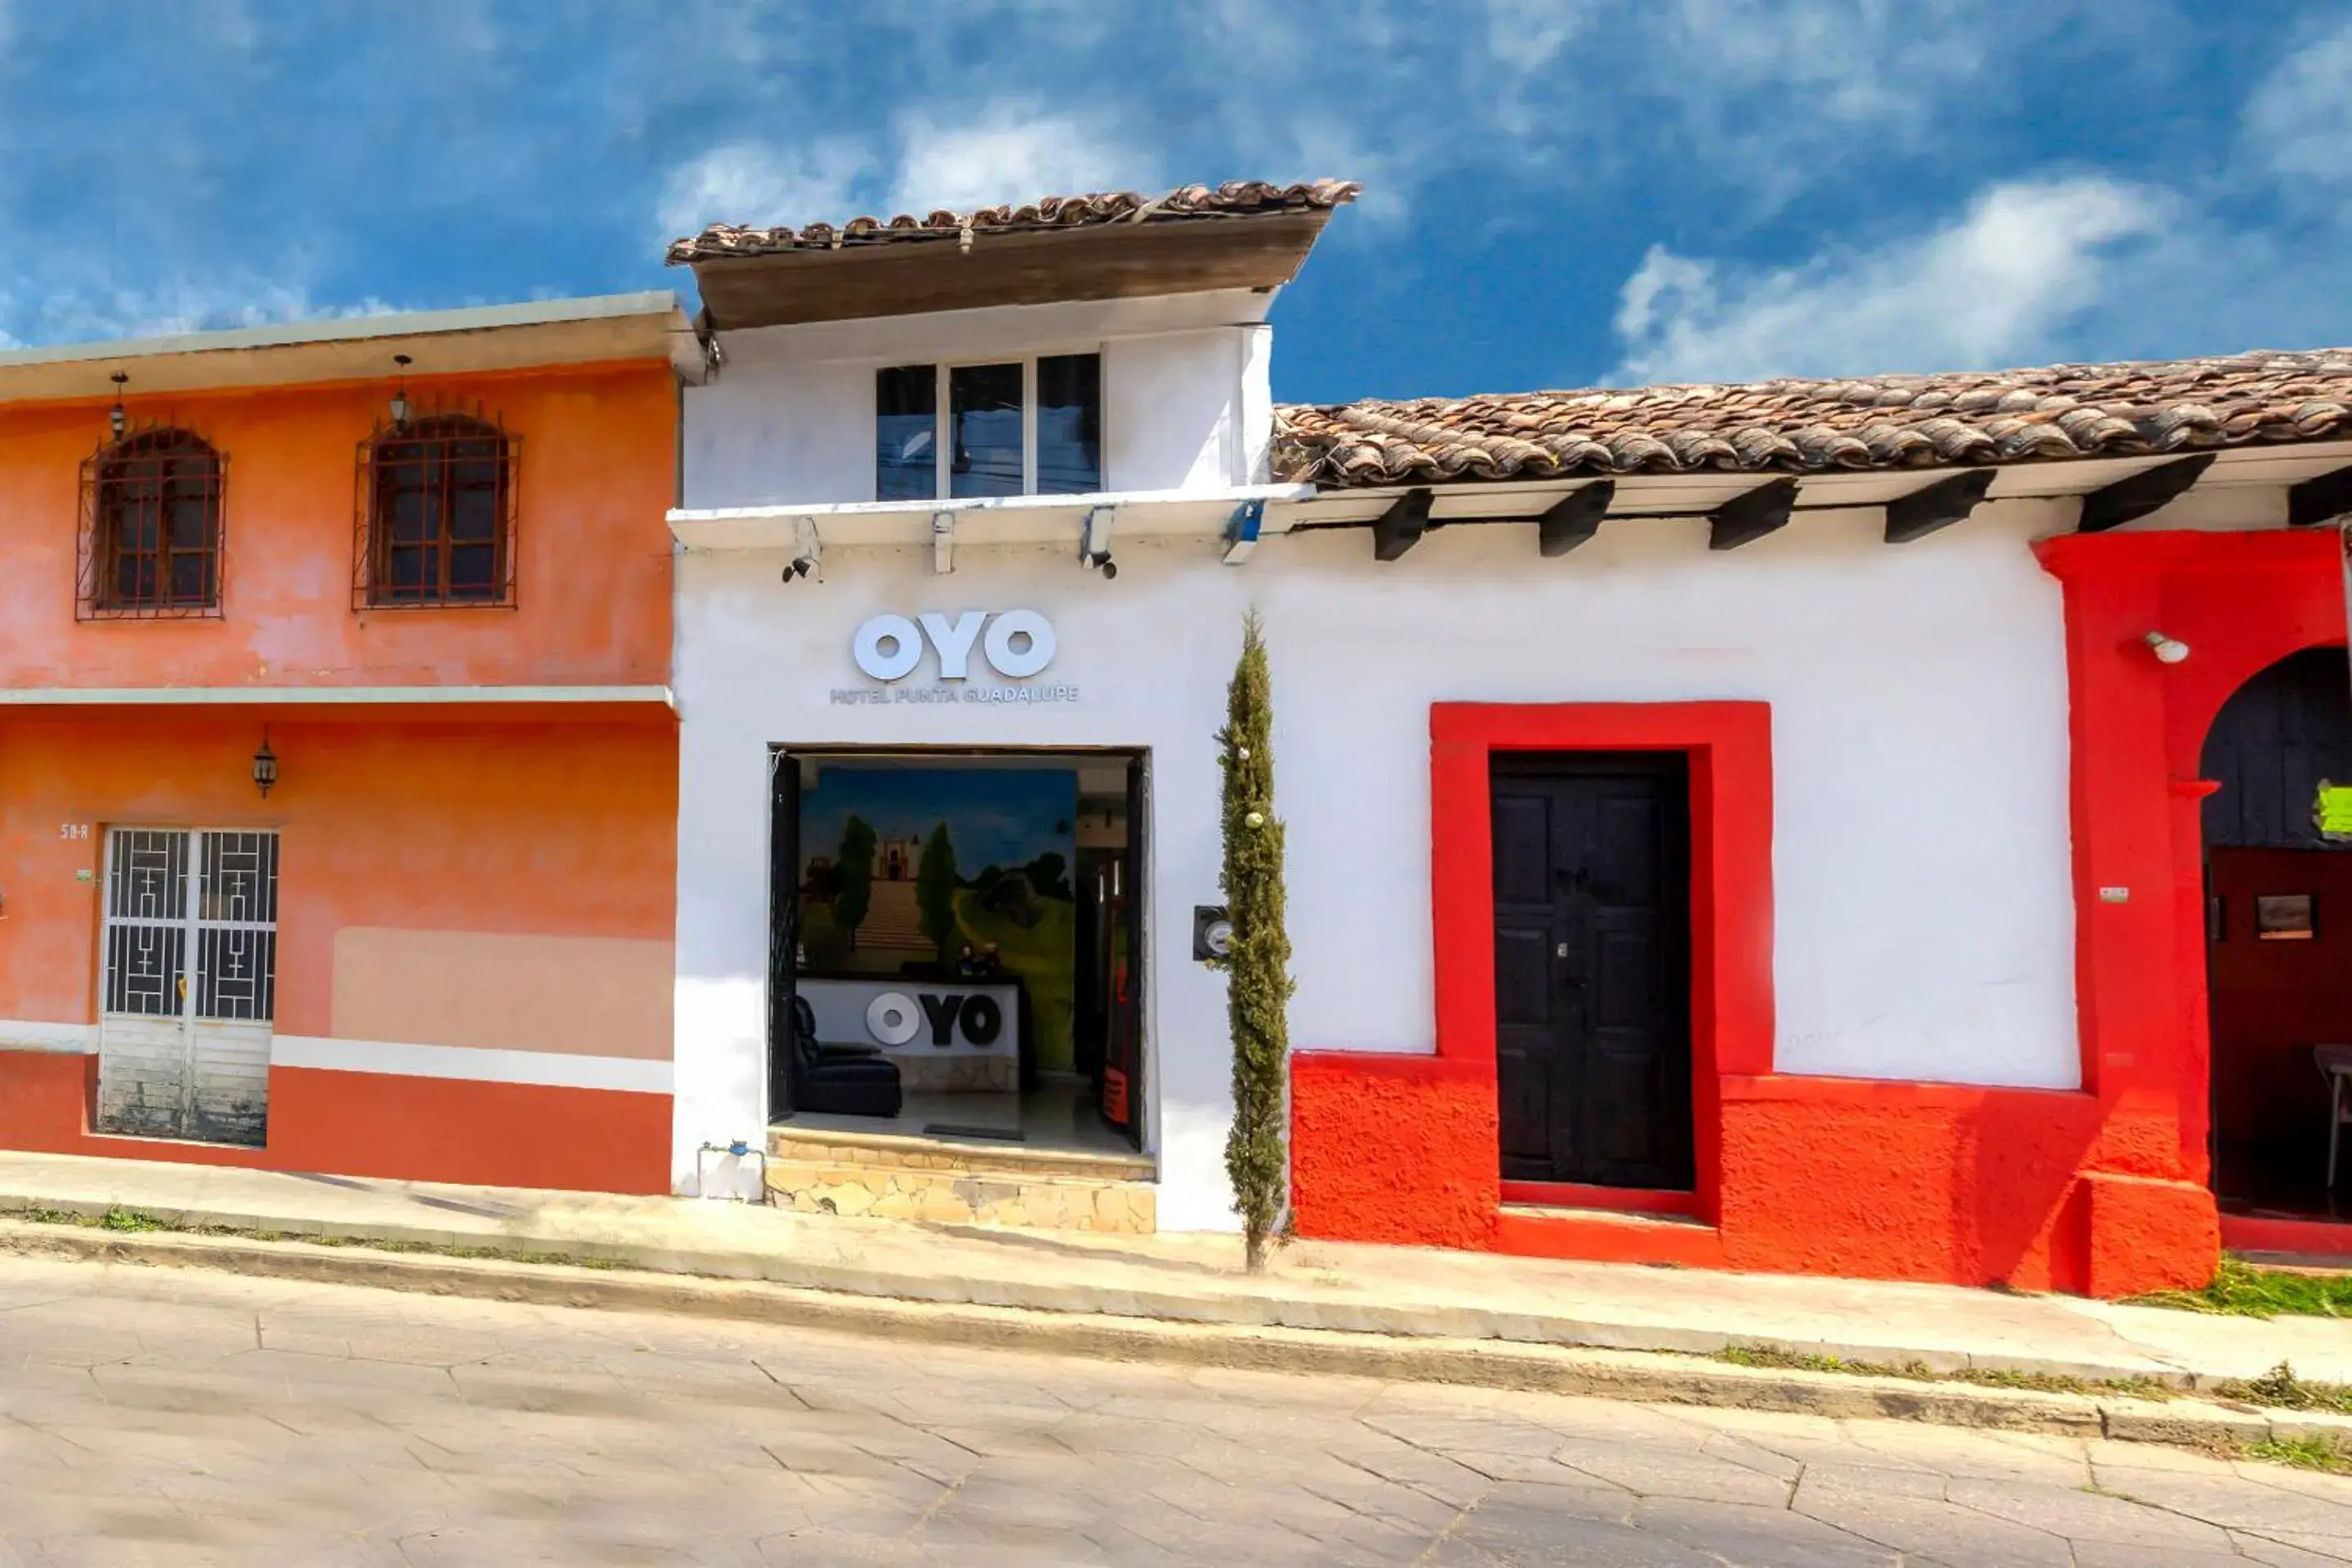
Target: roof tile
[
  {"x": 1806, "y": 426},
  {"x": 1234, "y": 198}
]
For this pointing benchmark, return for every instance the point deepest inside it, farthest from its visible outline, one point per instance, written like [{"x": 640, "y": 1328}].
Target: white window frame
[{"x": 943, "y": 416}]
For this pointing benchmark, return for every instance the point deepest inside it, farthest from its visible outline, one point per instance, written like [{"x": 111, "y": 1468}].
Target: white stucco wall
[
  {"x": 789, "y": 419},
  {"x": 1923, "y": 917}
]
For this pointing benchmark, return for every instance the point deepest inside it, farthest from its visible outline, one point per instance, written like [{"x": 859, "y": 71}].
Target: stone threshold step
[
  {"x": 964, "y": 1197},
  {"x": 932, "y": 1153}
]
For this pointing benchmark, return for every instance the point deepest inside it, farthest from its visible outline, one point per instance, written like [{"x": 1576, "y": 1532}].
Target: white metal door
[{"x": 190, "y": 983}]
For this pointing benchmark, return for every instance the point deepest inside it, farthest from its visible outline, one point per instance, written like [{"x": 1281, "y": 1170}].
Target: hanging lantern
[
  {"x": 400, "y": 393},
  {"x": 264, "y": 766},
  {"x": 117, "y": 420}
]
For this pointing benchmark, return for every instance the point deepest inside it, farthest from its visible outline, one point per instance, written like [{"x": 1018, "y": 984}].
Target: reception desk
[{"x": 951, "y": 1036}]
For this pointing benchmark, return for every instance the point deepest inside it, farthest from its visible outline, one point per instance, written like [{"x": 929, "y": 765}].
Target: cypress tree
[{"x": 1257, "y": 966}]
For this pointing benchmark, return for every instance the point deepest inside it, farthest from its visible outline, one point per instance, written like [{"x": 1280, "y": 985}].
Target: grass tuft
[
  {"x": 2239, "y": 1288},
  {"x": 2303, "y": 1453},
  {"x": 1782, "y": 1358},
  {"x": 2281, "y": 1389},
  {"x": 119, "y": 1218}
]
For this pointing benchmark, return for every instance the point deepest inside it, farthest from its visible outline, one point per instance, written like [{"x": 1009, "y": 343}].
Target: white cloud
[
  {"x": 758, "y": 185},
  {"x": 89, "y": 311},
  {"x": 2001, "y": 285},
  {"x": 2299, "y": 121},
  {"x": 1010, "y": 151}
]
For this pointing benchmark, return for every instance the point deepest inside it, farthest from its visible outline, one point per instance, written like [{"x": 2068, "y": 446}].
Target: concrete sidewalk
[{"x": 1198, "y": 1279}]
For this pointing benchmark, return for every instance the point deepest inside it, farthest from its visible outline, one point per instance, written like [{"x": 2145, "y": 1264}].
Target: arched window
[
  {"x": 152, "y": 526},
  {"x": 438, "y": 509}
]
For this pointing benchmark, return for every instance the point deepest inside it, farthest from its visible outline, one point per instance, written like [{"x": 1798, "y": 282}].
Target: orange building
[{"x": 337, "y": 764}]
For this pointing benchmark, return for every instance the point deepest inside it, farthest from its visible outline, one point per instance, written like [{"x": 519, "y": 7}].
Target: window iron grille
[
  {"x": 435, "y": 515},
  {"x": 152, "y": 539}
]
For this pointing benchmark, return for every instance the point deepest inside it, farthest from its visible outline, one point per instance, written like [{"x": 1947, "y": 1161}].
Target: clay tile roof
[
  {"x": 1816, "y": 426},
  {"x": 1234, "y": 198}
]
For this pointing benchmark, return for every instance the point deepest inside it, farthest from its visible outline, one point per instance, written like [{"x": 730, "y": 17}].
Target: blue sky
[{"x": 1557, "y": 192}]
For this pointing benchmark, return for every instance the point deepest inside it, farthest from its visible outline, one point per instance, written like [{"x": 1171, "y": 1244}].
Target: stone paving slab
[
  {"x": 1198, "y": 1278},
  {"x": 416, "y": 1430}
]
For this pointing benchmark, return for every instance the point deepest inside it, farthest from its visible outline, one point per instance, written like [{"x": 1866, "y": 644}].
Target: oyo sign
[
  {"x": 895, "y": 1018},
  {"x": 1016, "y": 644}
]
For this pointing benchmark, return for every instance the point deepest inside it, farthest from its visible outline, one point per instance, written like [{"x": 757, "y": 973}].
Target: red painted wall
[
  {"x": 1394, "y": 1148},
  {"x": 596, "y": 472},
  {"x": 2242, "y": 602},
  {"x": 553, "y": 827},
  {"x": 2103, "y": 1191},
  {"x": 373, "y": 1124}
]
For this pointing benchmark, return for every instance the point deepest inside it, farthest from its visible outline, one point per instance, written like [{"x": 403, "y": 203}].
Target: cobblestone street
[{"x": 151, "y": 1416}]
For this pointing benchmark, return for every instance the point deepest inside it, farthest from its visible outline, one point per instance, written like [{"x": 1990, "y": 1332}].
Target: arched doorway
[{"x": 2278, "y": 936}]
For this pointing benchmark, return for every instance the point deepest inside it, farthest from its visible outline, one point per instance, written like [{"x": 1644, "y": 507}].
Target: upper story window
[
  {"x": 1021, "y": 427},
  {"x": 436, "y": 515},
  {"x": 150, "y": 535}
]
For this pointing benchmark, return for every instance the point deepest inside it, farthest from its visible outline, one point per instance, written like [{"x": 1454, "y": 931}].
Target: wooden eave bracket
[
  {"x": 1574, "y": 518},
  {"x": 2135, "y": 497},
  {"x": 1751, "y": 514},
  {"x": 1400, "y": 528},
  {"x": 1936, "y": 505},
  {"x": 2321, "y": 499}
]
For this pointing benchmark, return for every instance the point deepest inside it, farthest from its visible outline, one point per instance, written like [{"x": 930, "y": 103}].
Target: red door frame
[
  {"x": 2241, "y": 600},
  {"x": 1729, "y": 745}
]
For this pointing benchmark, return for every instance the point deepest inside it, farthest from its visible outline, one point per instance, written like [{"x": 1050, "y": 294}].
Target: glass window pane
[
  {"x": 984, "y": 409},
  {"x": 190, "y": 583},
  {"x": 1069, "y": 424},
  {"x": 473, "y": 571},
  {"x": 189, "y": 520},
  {"x": 413, "y": 570},
  {"x": 906, "y": 433},
  {"x": 474, "y": 515}
]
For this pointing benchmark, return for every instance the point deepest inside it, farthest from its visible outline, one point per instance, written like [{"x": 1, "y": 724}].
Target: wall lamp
[
  {"x": 2167, "y": 650},
  {"x": 117, "y": 420},
  {"x": 400, "y": 393},
  {"x": 264, "y": 766}
]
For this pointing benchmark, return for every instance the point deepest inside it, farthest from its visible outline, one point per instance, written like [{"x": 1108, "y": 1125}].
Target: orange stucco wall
[
  {"x": 597, "y": 470},
  {"x": 550, "y": 833}
]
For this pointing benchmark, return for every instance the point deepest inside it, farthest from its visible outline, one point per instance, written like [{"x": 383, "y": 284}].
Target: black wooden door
[{"x": 1593, "y": 967}]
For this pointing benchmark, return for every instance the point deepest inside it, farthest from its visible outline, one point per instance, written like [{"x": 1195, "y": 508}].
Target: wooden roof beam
[
  {"x": 1574, "y": 518},
  {"x": 1400, "y": 528},
  {"x": 2321, "y": 499},
  {"x": 1936, "y": 505},
  {"x": 1751, "y": 514},
  {"x": 2135, "y": 497}
]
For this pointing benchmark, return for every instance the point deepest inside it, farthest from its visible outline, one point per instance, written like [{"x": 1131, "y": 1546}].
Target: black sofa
[{"x": 839, "y": 1080}]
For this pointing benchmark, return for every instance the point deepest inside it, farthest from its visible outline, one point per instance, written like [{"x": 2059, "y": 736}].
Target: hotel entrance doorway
[{"x": 956, "y": 944}]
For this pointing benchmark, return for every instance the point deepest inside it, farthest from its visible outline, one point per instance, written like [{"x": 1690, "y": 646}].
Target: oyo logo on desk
[
  {"x": 1015, "y": 644},
  {"x": 894, "y": 1019}
]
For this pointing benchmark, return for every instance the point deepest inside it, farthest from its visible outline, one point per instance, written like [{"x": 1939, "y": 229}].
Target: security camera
[
  {"x": 1094, "y": 541},
  {"x": 806, "y": 547}
]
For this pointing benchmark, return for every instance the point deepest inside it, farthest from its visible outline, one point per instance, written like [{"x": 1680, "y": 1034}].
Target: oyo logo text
[
  {"x": 894, "y": 1019},
  {"x": 1016, "y": 644}
]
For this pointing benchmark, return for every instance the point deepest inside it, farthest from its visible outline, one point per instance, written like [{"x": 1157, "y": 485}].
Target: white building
[{"x": 1696, "y": 886}]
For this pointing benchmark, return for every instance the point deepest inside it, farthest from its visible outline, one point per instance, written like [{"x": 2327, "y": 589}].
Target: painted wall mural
[{"x": 946, "y": 871}]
